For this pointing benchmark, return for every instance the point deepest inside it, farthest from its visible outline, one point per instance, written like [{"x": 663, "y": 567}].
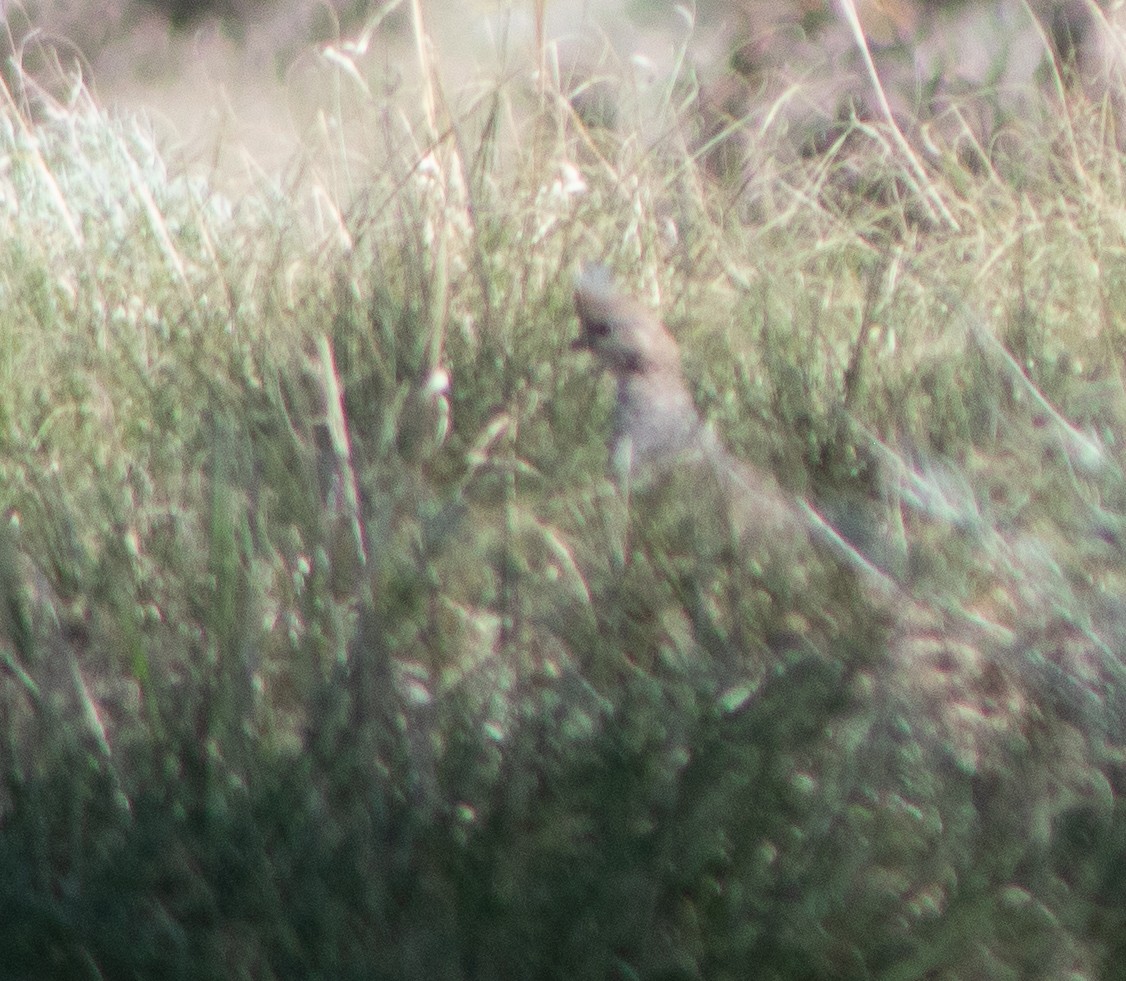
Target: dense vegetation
[{"x": 315, "y": 666}]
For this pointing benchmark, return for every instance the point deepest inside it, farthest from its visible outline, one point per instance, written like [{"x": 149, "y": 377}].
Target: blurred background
[{"x": 245, "y": 79}]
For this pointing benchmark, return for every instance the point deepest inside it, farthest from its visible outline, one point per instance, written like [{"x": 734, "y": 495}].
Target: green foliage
[{"x": 314, "y": 666}]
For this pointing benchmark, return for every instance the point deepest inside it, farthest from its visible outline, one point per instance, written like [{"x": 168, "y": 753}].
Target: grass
[{"x": 313, "y": 666}]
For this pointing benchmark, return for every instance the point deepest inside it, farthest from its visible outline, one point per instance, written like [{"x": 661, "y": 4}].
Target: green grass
[{"x": 312, "y": 668}]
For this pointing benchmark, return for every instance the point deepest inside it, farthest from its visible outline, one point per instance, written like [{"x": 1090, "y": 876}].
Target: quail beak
[{"x": 582, "y": 342}]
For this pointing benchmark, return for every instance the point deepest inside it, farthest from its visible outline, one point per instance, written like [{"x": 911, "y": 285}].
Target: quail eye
[{"x": 599, "y": 329}]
